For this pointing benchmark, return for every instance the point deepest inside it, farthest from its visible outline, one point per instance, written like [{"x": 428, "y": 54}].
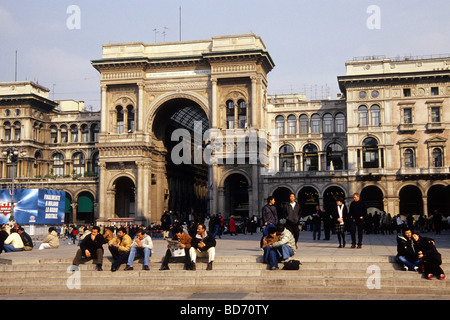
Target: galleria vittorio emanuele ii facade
[{"x": 190, "y": 127}]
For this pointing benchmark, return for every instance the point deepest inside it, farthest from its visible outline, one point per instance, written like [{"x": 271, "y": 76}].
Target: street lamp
[{"x": 12, "y": 155}]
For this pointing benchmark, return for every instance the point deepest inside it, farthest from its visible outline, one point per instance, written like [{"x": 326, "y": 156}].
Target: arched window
[
  {"x": 315, "y": 123},
  {"x": 7, "y": 127},
  {"x": 17, "y": 130},
  {"x": 58, "y": 164},
  {"x": 64, "y": 134},
  {"x": 370, "y": 153},
  {"x": 437, "y": 158},
  {"x": 292, "y": 124},
  {"x": 74, "y": 133},
  {"x": 408, "y": 155},
  {"x": 335, "y": 157},
  {"x": 286, "y": 158},
  {"x": 84, "y": 133},
  {"x": 242, "y": 114},
  {"x": 53, "y": 134},
  {"x": 375, "y": 115},
  {"x": 78, "y": 164},
  {"x": 130, "y": 119},
  {"x": 230, "y": 114},
  {"x": 304, "y": 124},
  {"x": 95, "y": 129},
  {"x": 120, "y": 118},
  {"x": 279, "y": 123},
  {"x": 327, "y": 123},
  {"x": 363, "y": 116},
  {"x": 310, "y": 158},
  {"x": 340, "y": 123}
]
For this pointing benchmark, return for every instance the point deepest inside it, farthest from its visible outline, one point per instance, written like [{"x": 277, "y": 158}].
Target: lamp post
[{"x": 12, "y": 155}]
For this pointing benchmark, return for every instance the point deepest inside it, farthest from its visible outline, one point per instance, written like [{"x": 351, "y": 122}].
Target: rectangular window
[
  {"x": 407, "y": 92},
  {"x": 436, "y": 114},
  {"x": 407, "y": 116},
  {"x": 435, "y": 91}
]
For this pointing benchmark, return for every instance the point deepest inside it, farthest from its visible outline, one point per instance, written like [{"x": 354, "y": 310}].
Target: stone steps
[{"x": 317, "y": 275}]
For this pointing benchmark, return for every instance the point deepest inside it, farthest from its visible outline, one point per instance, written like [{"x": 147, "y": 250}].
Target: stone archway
[
  {"x": 411, "y": 201},
  {"x": 124, "y": 198},
  {"x": 178, "y": 126}
]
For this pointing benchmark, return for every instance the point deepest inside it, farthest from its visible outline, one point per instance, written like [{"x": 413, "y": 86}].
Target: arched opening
[
  {"x": 185, "y": 180},
  {"x": 330, "y": 196},
  {"x": 438, "y": 196},
  {"x": 411, "y": 200},
  {"x": 236, "y": 196},
  {"x": 85, "y": 208},
  {"x": 373, "y": 197},
  {"x": 308, "y": 198},
  {"x": 124, "y": 201}
]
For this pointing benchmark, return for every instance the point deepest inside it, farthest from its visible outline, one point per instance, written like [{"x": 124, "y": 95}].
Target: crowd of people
[{"x": 280, "y": 234}]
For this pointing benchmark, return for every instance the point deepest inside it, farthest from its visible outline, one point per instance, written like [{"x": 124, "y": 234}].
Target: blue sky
[{"x": 309, "y": 41}]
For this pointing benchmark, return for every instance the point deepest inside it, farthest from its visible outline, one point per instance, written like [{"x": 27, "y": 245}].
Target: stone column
[
  {"x": 253, "y": 98},
  {"x": 140, "y": 111},
  {"x": 214, "y": 108},
  {"x": 103, "y": 109}
]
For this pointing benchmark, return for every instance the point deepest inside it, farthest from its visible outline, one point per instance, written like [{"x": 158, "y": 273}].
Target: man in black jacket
[
  {"x": 293, "y": 213},
  {"x": 26, "y": 239},
  {"x": 91, "y": 247},
  {"x": 406, "y": 253},
  {"x": 269, "y": 214},
  {"x": 357, "y": 213},
  {"x": 203, "y": 244}
]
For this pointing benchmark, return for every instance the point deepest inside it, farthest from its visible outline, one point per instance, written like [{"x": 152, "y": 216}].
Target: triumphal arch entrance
[{"x": 177, "y": 127}]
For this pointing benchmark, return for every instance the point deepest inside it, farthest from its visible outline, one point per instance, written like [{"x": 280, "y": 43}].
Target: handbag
[{"x": 292, "y": 265}]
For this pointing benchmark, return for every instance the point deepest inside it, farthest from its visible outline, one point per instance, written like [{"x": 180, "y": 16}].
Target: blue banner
[{"x": 33, "y": 206}]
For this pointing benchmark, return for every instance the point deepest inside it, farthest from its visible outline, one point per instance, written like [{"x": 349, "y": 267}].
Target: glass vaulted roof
[{"x": 187, "y": 116}]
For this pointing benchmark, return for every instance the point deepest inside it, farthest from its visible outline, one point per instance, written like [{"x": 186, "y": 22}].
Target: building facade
[
  {"x": 55, "y": 143},
  {"x": 189, "y": 127}
]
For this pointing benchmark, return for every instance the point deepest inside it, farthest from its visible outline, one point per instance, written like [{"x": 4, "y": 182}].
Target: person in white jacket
[
  {"x": 142, "y": 245},
  {"x": 283, "y": 249},
  {"x": 13, "y": 242},
  {"x": 51, "y": 241}
]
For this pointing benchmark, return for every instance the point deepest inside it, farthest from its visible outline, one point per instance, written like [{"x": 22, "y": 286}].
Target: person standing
[
  {"x": 317, "y": 223},
  {"x": 166, "y": 224},
  {"x": 270, "y": 215},
  {"x": 232, "y": 226},
  {"x": 340, "y": 214},
  {"x": 357, "y": 213},
  {"x": 293, "y": 213}
]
